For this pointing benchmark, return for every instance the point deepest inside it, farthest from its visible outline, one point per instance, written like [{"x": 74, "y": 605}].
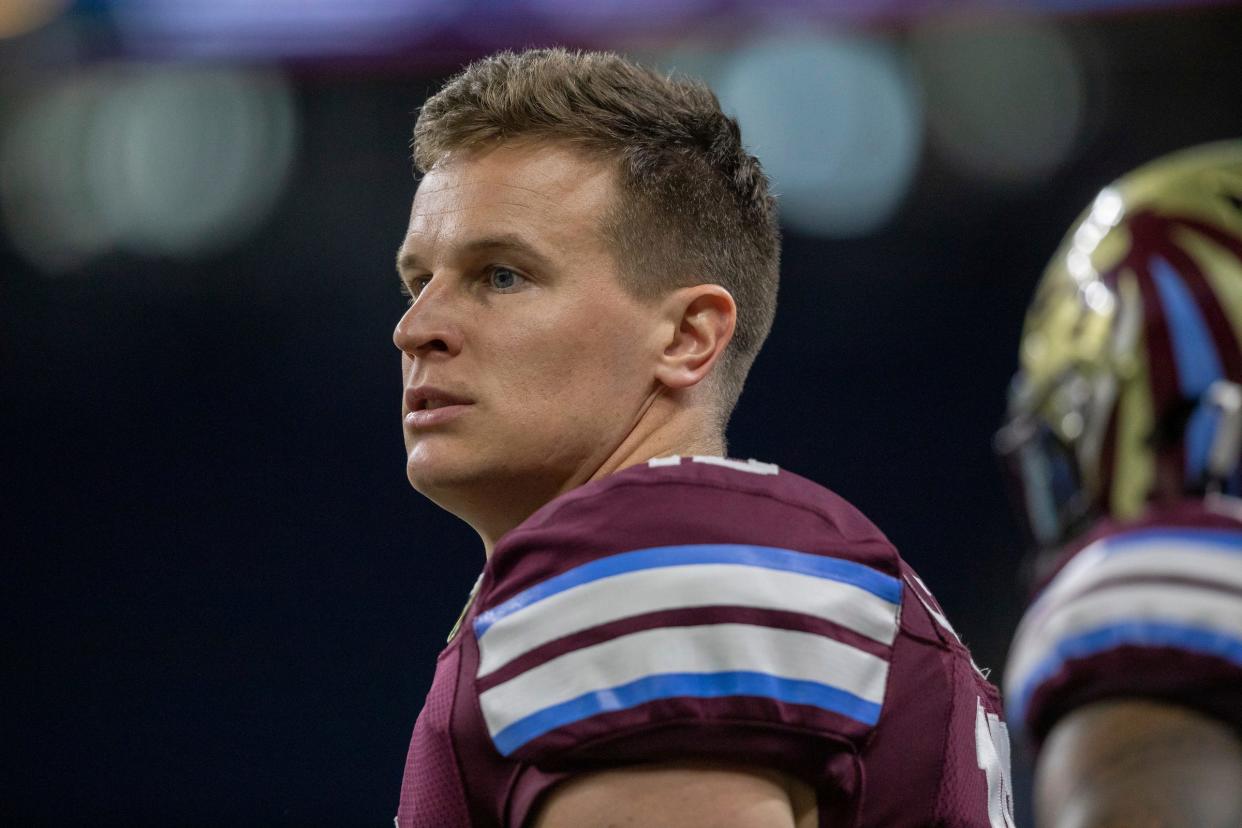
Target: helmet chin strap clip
[{"x": 1222, "y": 458}]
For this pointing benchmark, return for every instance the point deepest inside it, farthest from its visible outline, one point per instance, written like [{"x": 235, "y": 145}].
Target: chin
[
  {"x": 429, "y": 477},
  {"x": 463, "y": 480},
  {"x": 438, "y": 471}
]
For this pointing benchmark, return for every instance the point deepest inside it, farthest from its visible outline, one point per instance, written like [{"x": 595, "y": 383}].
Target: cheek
[
  {"x": 599, "y": 366},
  {"x": 578, "y": 360},
  {"x": 617, "y": 342}
]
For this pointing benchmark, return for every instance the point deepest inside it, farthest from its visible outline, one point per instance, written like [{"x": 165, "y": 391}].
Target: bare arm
[
  {"x": 1140, "y": 765},
  {"x": 680, "y": 795}
]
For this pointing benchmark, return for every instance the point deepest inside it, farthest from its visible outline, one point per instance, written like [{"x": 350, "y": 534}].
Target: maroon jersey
[
  {"x": 707, "y": 608},
  {"x": 1148, "y": 609}
]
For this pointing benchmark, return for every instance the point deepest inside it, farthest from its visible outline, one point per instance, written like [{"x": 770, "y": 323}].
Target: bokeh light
[
  {"x": 45, "y": 198},
  {"x": 155, "y": 161},
  {"x": 289, "y": 28},
  {"x": 1004, "y": 103},
  {"x": 574, "y": 17},
  {"x": 835, "y": 120},
  {"x": 17, "y": 17}
]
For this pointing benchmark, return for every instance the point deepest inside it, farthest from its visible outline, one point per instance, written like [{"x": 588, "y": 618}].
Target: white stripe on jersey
[
  {"x": 1129, "y": 590},
  {"x": 1191, "y": 606},
  {"x": 752, "y": 466},
  {"x": 1154, "y": 557},
  {"x": 709, "y": 649},
  {"x": 628, "y": 594}
]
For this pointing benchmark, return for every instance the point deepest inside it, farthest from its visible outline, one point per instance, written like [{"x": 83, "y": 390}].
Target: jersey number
[{"x": 992, "y": 749}]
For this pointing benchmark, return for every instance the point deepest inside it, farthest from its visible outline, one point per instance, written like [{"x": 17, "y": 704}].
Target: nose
[{"x": 428, "y": 326}]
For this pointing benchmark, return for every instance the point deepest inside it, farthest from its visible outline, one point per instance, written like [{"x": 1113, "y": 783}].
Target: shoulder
[
  {"x": 1150, "y": 609},
  {"x": 717, "y": 608},
  {"x": 689, "y": 501}
]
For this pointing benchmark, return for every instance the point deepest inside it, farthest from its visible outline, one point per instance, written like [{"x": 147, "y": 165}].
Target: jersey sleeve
[
  {"x": 686, "y": 620},
  {"x": 1155, "y": 614}
]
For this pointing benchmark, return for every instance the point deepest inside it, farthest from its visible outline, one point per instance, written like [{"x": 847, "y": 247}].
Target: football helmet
[{"x": 1129, "y": 386}]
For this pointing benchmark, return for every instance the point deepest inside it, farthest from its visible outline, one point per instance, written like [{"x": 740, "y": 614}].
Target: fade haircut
[{"x": 694, "y": 205}]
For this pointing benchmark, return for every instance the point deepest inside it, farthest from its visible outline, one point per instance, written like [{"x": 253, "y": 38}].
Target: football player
[
  {"x": 660, "y": 636},
  {"x": 1123, "y": 441}
]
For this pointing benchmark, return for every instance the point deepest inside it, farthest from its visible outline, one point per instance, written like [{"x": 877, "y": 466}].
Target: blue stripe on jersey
[
  {"x": 1212, "y": 540},
  {"x": 766, "y": 557},
  {"x": 695, "y": 685},
  {"x": 1132, "y": 633}
]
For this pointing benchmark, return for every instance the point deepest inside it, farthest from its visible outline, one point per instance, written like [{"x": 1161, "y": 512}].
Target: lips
[
  {"x": 427, "y": 406},
  {"x": 428, "y": 398}
]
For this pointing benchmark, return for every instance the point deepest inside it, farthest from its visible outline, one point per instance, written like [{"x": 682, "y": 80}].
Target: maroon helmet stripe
[
  {"x": 1161, "y": 366},
  {"x": 1149, "y": 235},
  {"x": 1108, "y": 456},
  {"x": 1231, "y": 243},
  {"x": 1150, "y": 238}
]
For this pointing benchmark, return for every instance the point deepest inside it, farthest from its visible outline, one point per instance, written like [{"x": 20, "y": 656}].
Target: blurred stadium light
[
  {"x": 576, "y": 18},
  {"x": 1004, "y": 103},
  {"x": 45, "y": 201},
  {"x": 837, "y": 97},
  {"x": 158, "y": 161},
  {"x": 20, "y": 16},
  {"x": 837, "y": 122},
  {"x": 276, "y": 28},
  {"x": 436, "y": 33}
]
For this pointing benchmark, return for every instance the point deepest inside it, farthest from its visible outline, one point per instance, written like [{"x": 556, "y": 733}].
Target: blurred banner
[
  {"x": 119, "y": 109},
  {"x": 435, "y": 33}
]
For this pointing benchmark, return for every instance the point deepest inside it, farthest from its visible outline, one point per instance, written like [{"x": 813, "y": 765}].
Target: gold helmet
[{"x": 1129, "y": 388}]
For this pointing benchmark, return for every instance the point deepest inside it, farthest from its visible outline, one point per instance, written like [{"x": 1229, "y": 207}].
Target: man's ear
[{"x": 703, "y": 318}]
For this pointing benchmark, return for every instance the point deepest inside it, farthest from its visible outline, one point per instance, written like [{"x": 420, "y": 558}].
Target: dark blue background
[{"x": 223, "y": 600}]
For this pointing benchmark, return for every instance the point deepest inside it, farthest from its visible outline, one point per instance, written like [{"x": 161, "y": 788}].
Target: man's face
[{"x": 525, "y": 363}]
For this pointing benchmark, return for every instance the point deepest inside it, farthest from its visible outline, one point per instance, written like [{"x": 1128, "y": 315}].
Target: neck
[{"x": 663, "y": 429}]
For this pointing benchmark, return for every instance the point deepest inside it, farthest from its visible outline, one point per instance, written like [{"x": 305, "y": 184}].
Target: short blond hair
[{"x": 694, "y": 204}]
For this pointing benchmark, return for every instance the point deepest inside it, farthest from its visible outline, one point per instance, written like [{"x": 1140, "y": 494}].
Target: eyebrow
[{"x": 408, "y": 260}]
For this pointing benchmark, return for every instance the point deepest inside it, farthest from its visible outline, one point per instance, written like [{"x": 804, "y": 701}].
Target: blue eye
[
  {"x": 503, "y": 279},
  {"x": 414, "y": 287}
]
